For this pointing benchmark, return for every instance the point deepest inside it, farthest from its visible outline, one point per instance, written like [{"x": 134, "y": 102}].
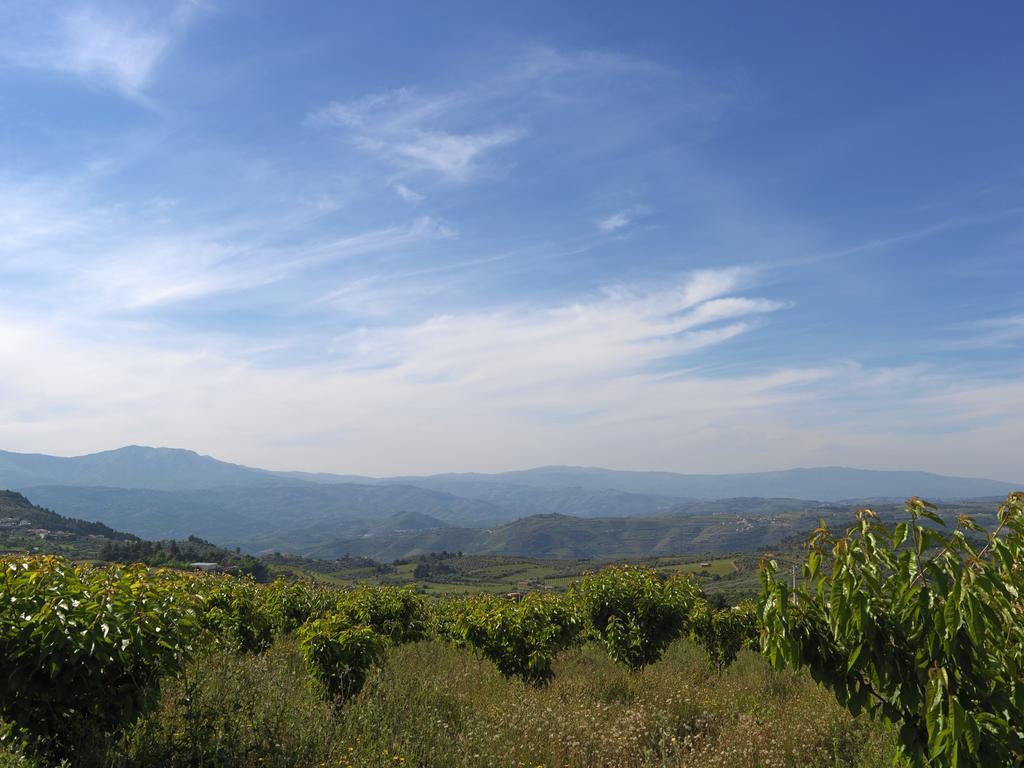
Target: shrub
[
  {"x": 399, "y": 615},
  {"x": 444, "y": 620},
  {"x": 522, "y": 638},
  {"x": 233, "y": 614},
  {"x": 290, "y": 604},
  {"x": 723, "y": 633},
  {"x": 82, "y": 649},
  {"x": 338, "y": 655},
  {"x": 922, "y": 628},
  {"x": 636, "y": 612}
]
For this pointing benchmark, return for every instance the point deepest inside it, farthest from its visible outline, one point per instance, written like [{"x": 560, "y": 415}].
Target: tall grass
[{"x": 432, "y": 705}]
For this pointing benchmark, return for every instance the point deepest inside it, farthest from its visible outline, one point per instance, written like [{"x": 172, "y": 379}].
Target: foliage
[
  {"x": 233, "y": 614},
  {"x": 290, "y": 604},
  {"x": 180, "y": 554},
  {"x": 82, "y": 649},
  {"x": 433, "y": 705},
  {"x": 13, "y": 504},
  {"x": 399, "y": 615},
  {"x": 446, "y": 618},
  {"x": 725, "y": 632},
  {"x": 521, "y": 638},
  {"x": 922, "y": 628},
  {"x": 338, "y": 654},
  {"x": 636, "y": 612}
]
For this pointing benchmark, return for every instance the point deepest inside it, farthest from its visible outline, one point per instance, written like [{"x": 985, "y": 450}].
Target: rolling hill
[
  {"x": 163, "y": 493},
  {"x": 177, "y": 470},
  {"x": 234, "y": 513},
  {"x": 821, "y": 483},
  {"x": 17, "y": 513},
  {"x": 556, "y": 536},
  {"x": 130, "y": 467}
]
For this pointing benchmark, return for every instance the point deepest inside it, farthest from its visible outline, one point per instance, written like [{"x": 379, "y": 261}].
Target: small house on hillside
[{"x": 215, "y": 568}]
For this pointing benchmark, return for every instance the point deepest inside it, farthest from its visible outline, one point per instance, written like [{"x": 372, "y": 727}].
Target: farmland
[
  {"x": 623, "y": 664},
  {"x": 236, "y": 688}
]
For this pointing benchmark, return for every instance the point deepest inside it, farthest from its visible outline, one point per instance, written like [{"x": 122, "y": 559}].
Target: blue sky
[{"x": 410, "y": 237}]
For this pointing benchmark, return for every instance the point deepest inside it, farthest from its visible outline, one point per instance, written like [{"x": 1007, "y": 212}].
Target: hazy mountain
[
  {"x": 177, "y": 470},
  {"x": 525, "y": 500},
  {"x": 161, "y": 493},
  {"x": 131, "y": 467},
  {"x": 563, "y": 536},
  {"x": 822, "y": 483},
  {"x": 16, "y": 511},
  {"x": 234, "y": 514}
]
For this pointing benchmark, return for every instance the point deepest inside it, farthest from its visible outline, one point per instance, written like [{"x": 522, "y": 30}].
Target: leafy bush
[
  {"x": 399, "y": 615},
  {"x": 233, "y": 614},
  {"x": 290, "y": 604},
  {"x": 338, "y": 655},
  {"x": 636, "y": 612},
  {"x": 82, "y": 649},
  {"x": 922, "y": 628},
  {"x": 444, "y": 620},
  {"x": 521, "y": 638},
  {"x": 723, "y": 633}
]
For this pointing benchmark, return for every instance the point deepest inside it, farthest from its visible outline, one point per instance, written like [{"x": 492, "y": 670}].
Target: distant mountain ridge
[
  {"x": 177, "y": 469},
  {"x": 163, "y": 493},
  {"x": 15, "y": 507},
  {"x": 234, "y": 514},
  {"x": 134, "y": 466},
  {"x": 748, "y": 525},
  {"x": 820, "y": 483}
]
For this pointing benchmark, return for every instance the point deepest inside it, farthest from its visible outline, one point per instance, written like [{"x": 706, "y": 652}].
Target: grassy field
[
  {"x": 734, "y": 576},
  {"x": 725, "y": 580},
  {"x": 431, "y": 705}
]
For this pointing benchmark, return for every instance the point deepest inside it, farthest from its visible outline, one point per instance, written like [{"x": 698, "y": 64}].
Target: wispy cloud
[
  {"x": 407, "y": 129},
  {"x": 621, "y": 218},
  {"x": 456, "y": 134},
  {"x": 507, "y": 370},
  {"x": 138, "y": 257},
  {"x": 118, "y": 47},
  {"x": 614, "y": 334},
  {"x": 452, "y": 155},
  {"x": 615, "y": 221},
  {"x": 409, "y": 195},
  {"x": 1004, "y": 331}
]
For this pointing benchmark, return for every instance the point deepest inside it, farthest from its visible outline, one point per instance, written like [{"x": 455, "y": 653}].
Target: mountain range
[{"x": 173, "y": 493}]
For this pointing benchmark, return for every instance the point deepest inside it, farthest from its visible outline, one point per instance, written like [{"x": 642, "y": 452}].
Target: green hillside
[
  {"x": 15, "y": 507},
  {"x": 747, "y": 528}
]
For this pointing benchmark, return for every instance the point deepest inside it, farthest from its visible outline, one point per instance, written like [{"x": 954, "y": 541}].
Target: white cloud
[
  {"x": 86, "y": 258},
  {"x": 409, "y": 195},
  {"x": 994, "y": 332},
  {"x": 622, "y": 218},
  {"x": 409, "y": 130},
  {"x": 451, "y": 155},
  {"x": 614, "y": 222},
  {"x": 511, "y": 373},
  {"x": 515, "y": 386},
  {"x": 115, "y": 47},
  {"x": 615, "y": 334},
  {"x": 707, "y": 284}
]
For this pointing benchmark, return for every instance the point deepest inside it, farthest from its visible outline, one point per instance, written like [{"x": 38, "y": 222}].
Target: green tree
[
  {"x": 82, "y": 649},
  {"x": 723, "y": 633},
  {"x": 920, "y": 627},
  {"x": 339, "y": 655},
  {"x": 635, "y": 611},
  {"x": 521, "y": 638}
]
